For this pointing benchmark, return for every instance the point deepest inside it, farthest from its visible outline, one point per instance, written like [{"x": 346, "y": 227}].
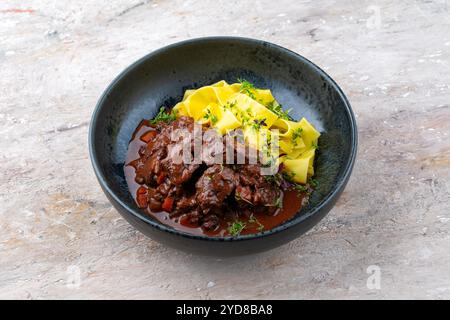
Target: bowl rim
[{"x": 338, "y": 187}]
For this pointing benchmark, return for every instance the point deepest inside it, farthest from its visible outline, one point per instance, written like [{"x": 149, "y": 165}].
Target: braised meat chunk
[
  {"x": 214, "y": 186},
  {"x": 254, "y": 192}
]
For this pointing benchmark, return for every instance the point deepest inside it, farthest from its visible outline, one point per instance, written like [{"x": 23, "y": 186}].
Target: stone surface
[{"x": 60, "y": 237}]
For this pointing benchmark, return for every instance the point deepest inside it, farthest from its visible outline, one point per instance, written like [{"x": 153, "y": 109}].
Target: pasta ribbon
[
  {"x": 253, "y": 109},
  {"x": 309, "y": 134},
  {"x": 227, "y": 122},
  {"x": 299, "y": 167},
  {"x": 264, "y": 96}
]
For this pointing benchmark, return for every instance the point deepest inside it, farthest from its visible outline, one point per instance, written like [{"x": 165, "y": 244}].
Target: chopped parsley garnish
[
  {"x": 314, "y": 145},
  {"x": 289, "y": 176},
  {"x": 296, "y": 133},
  {"x": 252, "y": 219},
  {"x": 247, "y": 88},
  {"x": 236, "y": 228},
  {"x": 300, "y": 187},
  {"x": 275, "y": 179},
  {"x": 257, "y": 123},
  {"x": 211, "y": 117},
  {"x": 255, "y": 126},
  {"x": 313, "y": 182},
  {"x": 164, "y": 116},
  {"x": 244, "y": 118},
  {"x": 261, "y": 122},
  {"x": 279, "y": 202},
  {"x": 276, "y": 108},
  {"x": 229, "y": 105}
]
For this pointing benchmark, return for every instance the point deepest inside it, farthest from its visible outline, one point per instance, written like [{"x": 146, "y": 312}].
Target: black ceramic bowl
[{"x": 161, "y": 77}]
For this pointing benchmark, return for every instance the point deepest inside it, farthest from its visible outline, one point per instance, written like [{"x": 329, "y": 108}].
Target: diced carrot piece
[
  {"x": 141, "y": 197},
  {"x": 160, "y": 178},
  {"x": 149, "y": 135},
  {"x": 141, "y": 190},
  {"x": 167, "y": 204}
]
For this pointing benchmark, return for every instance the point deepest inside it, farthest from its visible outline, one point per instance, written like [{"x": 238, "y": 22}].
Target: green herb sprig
[
  {"x": 211, "y": 117},
  {"x": 164, "y": 116},
  {"x": 253, "y": 219},
  {"x": 247, "y": 88},
  {"x": 236, "y": 228},
  {"x": 313, "y": 182},
  {"x": 279, "y": 202},
  {"x": 300, "y": 187},
  {"x": 275, "y": 179},
  {"x": 277, "y": 108},
  {"x": 296, "y": 133},
  {"x": 257, "y": 123}
]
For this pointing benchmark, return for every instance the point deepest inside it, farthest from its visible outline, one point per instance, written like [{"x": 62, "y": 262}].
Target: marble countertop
[{"x": 387, "y": 237}]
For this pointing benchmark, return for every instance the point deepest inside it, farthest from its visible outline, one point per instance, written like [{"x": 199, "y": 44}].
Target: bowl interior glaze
[{"x": 161, "y": 78}]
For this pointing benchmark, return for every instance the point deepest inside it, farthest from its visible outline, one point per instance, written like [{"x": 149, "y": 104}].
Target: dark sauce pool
[{"x": 292, "y": 199}]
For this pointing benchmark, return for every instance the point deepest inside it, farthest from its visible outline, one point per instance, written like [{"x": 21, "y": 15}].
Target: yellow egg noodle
[{"x": 231, "y": 106}]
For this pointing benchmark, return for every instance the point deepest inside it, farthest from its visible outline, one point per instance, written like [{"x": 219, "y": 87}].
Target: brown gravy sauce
[{"x": 292, "y": 199}]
